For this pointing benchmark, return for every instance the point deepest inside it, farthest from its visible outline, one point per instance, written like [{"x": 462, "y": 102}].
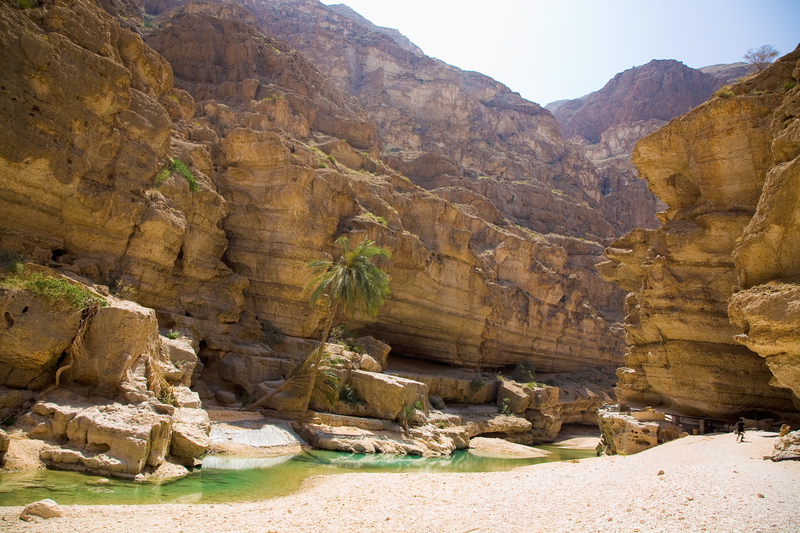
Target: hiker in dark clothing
[{"x": 740, "y": 430}]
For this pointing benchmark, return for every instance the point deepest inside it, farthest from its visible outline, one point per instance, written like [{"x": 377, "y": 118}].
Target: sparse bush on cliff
[
  {"x": 58, "y": 290},
  {"x": 505, "y": 407},
  {"x": 344, "y": 336},
  {"x": 524, "y": 372},
  {"x": 725, "y": 92},
  {"x": 348, "y": 395},
  {"x": 272, "y": 333},
  {"x": 11, "y": 262},
  {"x": 475, "y": 385},
  {"x": 176, "y": 165}
]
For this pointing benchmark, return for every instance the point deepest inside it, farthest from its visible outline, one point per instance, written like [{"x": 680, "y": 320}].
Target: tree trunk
[{"x": 317, "y": 358}]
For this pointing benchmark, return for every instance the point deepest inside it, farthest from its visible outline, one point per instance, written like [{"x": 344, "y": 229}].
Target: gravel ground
[{"x": 699, "y": 483}]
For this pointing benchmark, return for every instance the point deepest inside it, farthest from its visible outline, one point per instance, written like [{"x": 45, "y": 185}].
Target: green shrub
[
  {"x": 11, "y": 262},
  {"x": 58, "y": 290},
  {"x": 788, "y": 85},
  {"x": 173, "y": 334},
  {"x": 162, "y": 176},
  {"x": 475, "y": 385},
  {"x": 332, "y": 160},
  {"x": 343, "y": 336},
  {"x": 247, "y": 399},
  {"x": 181, "y": 168},
  {"x": 505, "y": 407},
  {"x": 273, "y": 333},
  {"x": 176, "y": 165},
  {"x": 524, "y": 372},
  {"x": 349, "y": 395},
  {"x": 725, "y": 92}
]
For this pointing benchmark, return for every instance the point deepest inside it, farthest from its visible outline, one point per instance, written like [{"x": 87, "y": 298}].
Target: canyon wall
[
  {"x": 99, "y": 125},
  {"x": 705, "y": 330},
  {"x": 608, "y": 123}
]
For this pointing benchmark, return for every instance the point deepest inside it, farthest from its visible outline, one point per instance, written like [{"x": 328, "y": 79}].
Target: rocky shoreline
[{"x": 699, "y": 483}]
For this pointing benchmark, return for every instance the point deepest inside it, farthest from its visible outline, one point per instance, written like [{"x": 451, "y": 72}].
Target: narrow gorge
[{"x": 178, "y": 164}]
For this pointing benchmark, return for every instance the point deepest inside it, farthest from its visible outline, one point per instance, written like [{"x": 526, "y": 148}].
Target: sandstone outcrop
[
  {"x": 715, "y": 169},
  {"x": 659, "y": 90},
  {"x": 197, "y": 174},
  {"x": 279, "y": 185},
  {"x": 369, "y": 435},
  {"x": 787, "y": 447},
  {"x": 631, "y": 433},
  {"x": 5, "y": 440},
  {"x": 635, "y": 103}
]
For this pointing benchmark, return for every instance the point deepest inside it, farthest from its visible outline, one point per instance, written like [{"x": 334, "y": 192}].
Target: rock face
[
  {"x": 787, "y": 447},
  {"x": 627, "y": 434},
  {"x": 197, "y": 171},
  {"x": 724, "y": 170},
  {"x": 659, "y": 90},
  {"x": 633, "y": 104},
  {"x": 275, "y": 184}
]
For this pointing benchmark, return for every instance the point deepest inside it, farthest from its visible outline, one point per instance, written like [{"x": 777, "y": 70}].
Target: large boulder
[
  {"x": 454, "y": 389},
  {"x": 45, "y": 509},
  {"x": 117, "y": 337},
  {"x": 627, "y": 435},
  {"x": 190, "y": 433},
  {"x": 113, "y": 440},
  {"x": 100, "y": 436},
  {"x": 787, "y": 447},
  {"x": 34, "y": 335},
  {"x": 385, "y": 396}
]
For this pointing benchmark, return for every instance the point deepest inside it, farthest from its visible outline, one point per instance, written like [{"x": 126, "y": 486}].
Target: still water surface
[{"x": 225, "y": 480}]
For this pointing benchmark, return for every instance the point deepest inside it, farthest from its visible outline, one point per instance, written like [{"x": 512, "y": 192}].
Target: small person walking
[{"x": 740, "y": 430}]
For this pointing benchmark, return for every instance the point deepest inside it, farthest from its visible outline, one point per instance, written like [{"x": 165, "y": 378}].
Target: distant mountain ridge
[{"x": 661, "y": 90}]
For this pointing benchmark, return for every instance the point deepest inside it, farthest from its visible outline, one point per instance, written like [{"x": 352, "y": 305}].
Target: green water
[{"x": 244, "y": 479}]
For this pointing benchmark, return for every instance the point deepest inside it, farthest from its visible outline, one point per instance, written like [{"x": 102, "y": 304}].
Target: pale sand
[{"x": 709, "y": 483}]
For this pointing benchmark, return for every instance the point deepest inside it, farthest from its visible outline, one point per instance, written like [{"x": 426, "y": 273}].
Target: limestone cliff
[
  {"x": 724, "y": 170},
  {"x": 459, "y": 134},
  {"x": 199, "y": 185},
  {"x": 492, "y": 282},
  {"x": 657, "y": 91},
  {"x": 636, "y": 102}
]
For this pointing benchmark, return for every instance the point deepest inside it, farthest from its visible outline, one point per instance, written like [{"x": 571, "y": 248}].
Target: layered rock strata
[
  {"x": 635, "y": 103},
  {"x": 720, "y": 169},
  {"x": 446, "y": 129},
  {"x": 480, "y": 272},
  {"x": 203, "y": 201}
]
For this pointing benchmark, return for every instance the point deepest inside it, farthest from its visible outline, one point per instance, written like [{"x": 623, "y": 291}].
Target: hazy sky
[{"x": 555, "y": 49}]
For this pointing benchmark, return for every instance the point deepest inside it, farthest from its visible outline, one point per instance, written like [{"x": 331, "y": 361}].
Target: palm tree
[{"x": 352, "y": 285}]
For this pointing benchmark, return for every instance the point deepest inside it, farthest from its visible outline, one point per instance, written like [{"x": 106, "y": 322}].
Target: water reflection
[{"x": 225, "y": 479}]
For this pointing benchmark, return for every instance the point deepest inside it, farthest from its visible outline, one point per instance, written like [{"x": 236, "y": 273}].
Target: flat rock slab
[
  {"x": 491, "y": 447},
  {"x": 255, "y": 433}
]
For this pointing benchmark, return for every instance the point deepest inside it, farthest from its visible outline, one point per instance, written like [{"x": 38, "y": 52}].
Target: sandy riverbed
[{"x": 709, "y": 483}]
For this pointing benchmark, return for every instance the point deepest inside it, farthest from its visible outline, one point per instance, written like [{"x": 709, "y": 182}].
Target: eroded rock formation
[
  {"x": 198, "y": 173},
  {"x": 725, "y": 171},
  {"x": 635, "y": 103}
]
